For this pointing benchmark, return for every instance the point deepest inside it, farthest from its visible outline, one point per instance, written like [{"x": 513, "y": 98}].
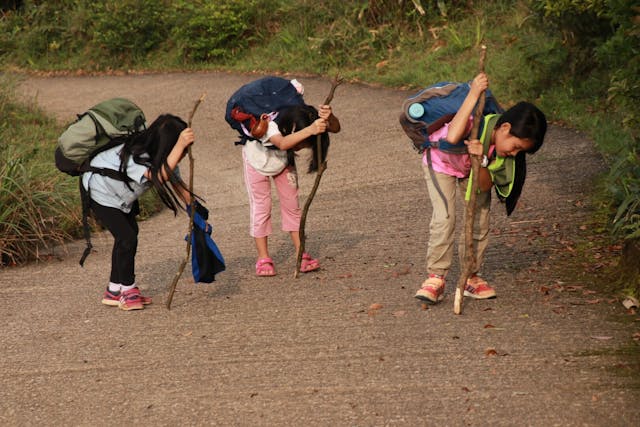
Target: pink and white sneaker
[
  {"x": 113, "y": 298},
  {"x": 478, "y": 288},
  {"x": 432, "y": 289}
]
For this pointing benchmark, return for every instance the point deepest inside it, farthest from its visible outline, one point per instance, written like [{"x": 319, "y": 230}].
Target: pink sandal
[
  {"x": 308, "y": 264},
  {"x": 265, "y": 267}
]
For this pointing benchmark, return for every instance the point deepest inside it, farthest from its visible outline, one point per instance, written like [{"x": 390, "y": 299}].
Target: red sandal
[
  {"x": 265, "y": 267},
  {"x": 308, "y": 264}
]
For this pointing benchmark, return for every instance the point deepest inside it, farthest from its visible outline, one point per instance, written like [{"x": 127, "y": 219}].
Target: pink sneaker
[
  {"x": 131, "y": 300},
  {"x": 478, "y": 288},
  {"x": 432, "y": 289},
  {"x": 113, "y": 298}
]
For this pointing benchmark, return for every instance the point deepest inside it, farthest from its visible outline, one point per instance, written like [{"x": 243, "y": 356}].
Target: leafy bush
[
  {"x": 602, "y": 38},
  {"x": 129, "y": 30},
  {"x": 208, "y": 31},
  {"x": 44, "y": 32}
]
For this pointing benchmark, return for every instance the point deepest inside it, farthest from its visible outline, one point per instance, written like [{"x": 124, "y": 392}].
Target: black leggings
[{"x": 124, "y": 228}]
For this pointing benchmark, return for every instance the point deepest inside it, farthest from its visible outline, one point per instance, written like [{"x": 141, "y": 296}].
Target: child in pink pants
[{"x": 267, "y": 160}]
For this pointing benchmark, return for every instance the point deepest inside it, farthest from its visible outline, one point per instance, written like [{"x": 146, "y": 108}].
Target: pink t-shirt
[{"x": 458, "y": 165}]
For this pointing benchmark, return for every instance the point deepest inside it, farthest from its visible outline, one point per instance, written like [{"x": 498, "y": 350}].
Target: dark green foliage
[
  {"x": 602, "y": 39},
  {"x": 207, "y": 31},
  {"x": 128, "y": 30}
]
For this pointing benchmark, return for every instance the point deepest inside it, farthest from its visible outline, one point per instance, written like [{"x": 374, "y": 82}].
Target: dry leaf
[
  {"x": 488, "y": 325},
  {"x": 601, "y": 337},
  {"x": 399, "y": 313},
  {"x": 630, "y": 302},
  {"x": 375, "y": 306},
  {"x": 490, "y": 352},
  {"x": 593, "y": 301}
]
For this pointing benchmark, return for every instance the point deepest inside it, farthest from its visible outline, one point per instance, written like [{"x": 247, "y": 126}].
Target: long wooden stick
[
  {"x": 470, "y": 258},
  {"x": 322, "y": 165},
  {"x": 172, "y": 286}
]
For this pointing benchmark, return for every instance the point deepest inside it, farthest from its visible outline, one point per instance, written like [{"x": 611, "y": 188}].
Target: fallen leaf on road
[
  {"x": 399, "y": 313},
  {"x": 630, "y": 302},
  {"x": 490, "y": 352},
  {"x": 601, "y": 337},
  {"x": 373, "y": 309},
  {"x": 593, "y": 301},
  {"x": 488, "y": 325}
]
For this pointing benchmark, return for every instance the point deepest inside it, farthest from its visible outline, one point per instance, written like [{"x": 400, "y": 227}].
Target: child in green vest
[{"x": 504, "y": 140}]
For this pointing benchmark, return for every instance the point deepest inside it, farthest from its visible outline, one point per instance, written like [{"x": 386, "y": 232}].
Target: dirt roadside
[{"x": 312, "y": 351}]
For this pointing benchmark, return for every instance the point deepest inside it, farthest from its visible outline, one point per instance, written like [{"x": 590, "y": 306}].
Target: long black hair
[
  {"x": 298, "y": 117},
  {"x": 150, "y": 148}
]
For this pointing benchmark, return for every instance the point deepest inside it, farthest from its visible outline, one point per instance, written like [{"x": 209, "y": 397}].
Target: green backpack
[{"x": 95, "y": 131}]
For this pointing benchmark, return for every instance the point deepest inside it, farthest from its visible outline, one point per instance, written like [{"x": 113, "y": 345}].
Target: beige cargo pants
[{"x": 443, "y": 223}]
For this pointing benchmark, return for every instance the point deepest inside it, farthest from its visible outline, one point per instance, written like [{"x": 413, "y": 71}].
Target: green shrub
[
  {"x": 129, "y": 30},
  {"x": 209, "y": 31}
]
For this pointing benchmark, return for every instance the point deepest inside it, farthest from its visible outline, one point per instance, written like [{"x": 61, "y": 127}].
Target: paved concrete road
[{"x": 311, "y": 351}]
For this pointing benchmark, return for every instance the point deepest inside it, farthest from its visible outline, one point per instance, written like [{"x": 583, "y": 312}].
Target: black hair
[
  {"x": 150, "y": 148},
  {"x": 527, "y": 122},
  {"x": 298, "y": 117}
]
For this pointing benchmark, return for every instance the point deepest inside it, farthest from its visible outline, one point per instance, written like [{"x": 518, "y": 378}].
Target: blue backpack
[
  {"x": 433, "y": 107},
  {"x": 252, "y": 100}
]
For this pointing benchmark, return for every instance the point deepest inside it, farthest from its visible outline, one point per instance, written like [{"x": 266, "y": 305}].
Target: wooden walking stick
[
  {"x": 322, "y": 165},
  {"x": 470, "y": 212},
  {"x": 172, "y": 286}
]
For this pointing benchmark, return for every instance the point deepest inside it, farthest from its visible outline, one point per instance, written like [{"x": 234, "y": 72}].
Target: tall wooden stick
[
  {"x": 322, "y": 165},
  {"x": 470, "y": 258},
  {"x": 172, "y": 286}
]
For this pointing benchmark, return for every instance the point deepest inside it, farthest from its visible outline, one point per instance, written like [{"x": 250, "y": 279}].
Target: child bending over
[
  {"x": 504, "y": 140},
  {"x": 149, "y": 159},
  {"x": 270, "y": 159}
]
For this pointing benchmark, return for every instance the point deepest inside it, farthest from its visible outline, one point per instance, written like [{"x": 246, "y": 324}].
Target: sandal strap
[{"x": 263, "y": 261}]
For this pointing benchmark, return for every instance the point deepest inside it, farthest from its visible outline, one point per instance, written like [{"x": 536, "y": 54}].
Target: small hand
[
  {"x": 480, "y": 83},
  {"x": 474, "y": 147},
  {"x": 186, "y": 138},
  {"x": 324, "y": 112},
  {"x": 319, "y": 126}
]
